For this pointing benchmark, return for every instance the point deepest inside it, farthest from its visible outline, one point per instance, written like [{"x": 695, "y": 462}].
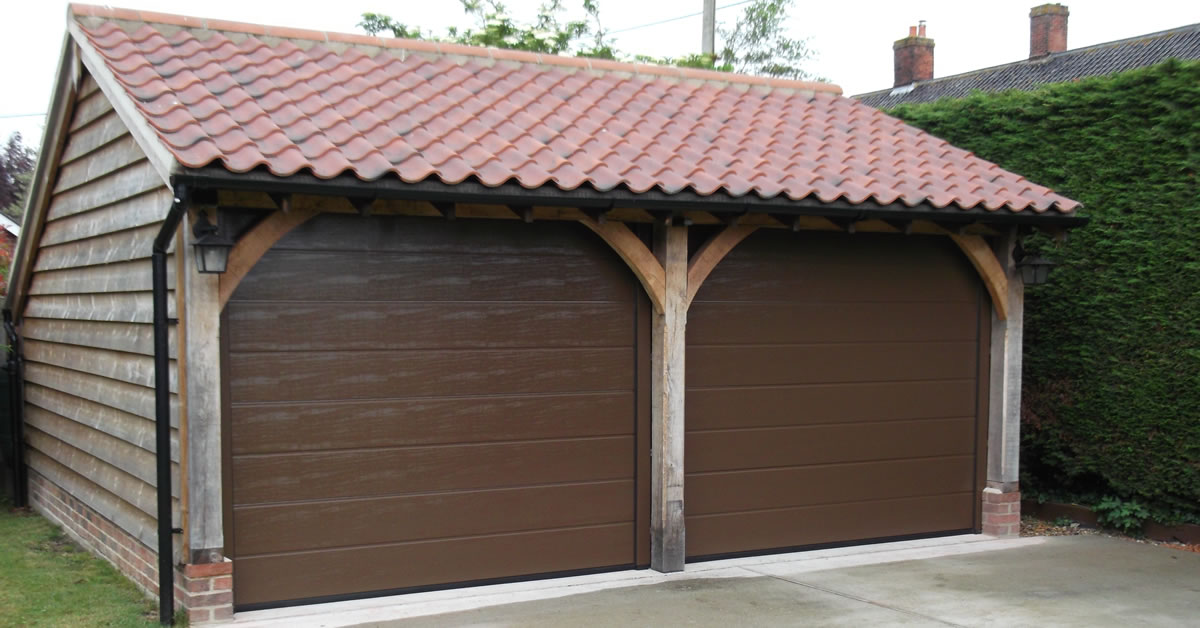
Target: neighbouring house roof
[
  {"x": 1058, "y": 67},
  {"x": 288, "y": 101}
]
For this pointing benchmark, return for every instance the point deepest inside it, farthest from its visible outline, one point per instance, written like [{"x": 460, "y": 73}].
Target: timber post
[
  {"x": 200, "y": 342},
  {"x": 667, "y": 534},
  {"x": 1002, "y": 494}
]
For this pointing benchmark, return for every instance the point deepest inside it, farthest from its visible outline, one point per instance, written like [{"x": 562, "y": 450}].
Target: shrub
[{"x": 1112, "y": 343}]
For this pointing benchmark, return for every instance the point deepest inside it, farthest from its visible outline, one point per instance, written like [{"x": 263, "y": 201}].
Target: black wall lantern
[
  {"x": 212, "y": 246},
  {"x": 1035, "y": 269}
]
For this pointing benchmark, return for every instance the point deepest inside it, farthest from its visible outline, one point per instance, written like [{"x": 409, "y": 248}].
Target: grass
[{"x": 48, "y": 580}]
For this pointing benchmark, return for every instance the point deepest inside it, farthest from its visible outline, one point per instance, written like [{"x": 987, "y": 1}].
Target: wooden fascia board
[
  {"x": 160, "y": 158},
  {"x": 62, "y": 105}
]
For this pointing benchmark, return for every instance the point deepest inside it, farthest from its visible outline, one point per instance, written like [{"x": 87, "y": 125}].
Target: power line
[
  {"x": 22, "y": 115},
  {"x": 674, "y": 19}
]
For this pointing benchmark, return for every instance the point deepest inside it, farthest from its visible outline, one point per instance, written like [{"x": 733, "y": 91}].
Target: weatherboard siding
[{"x": 87, "y": 324}]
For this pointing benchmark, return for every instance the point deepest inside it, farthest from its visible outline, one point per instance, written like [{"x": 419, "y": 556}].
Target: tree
[
  {"x": 16, "y": 170},
  {"x": 548, "y": 34},
  {"x": 757, "y": 43}
]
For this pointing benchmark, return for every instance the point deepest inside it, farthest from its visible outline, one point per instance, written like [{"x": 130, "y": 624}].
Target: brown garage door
[
  {"x": 832, "y": 393},
  {"x": 418, "y": 402}
]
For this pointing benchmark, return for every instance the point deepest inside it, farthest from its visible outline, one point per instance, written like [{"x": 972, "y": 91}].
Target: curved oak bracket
[
  {"x": 636, "y": 255},
  {"x": 252, "y": 246},
  {"x": 710, "y": 254},
  {"x": 989, "y": 269}
]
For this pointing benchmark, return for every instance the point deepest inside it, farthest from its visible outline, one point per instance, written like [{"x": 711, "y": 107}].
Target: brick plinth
[
  {"x": 95, "y": 533},
  {"x": 1001, "y": 513},
  {"x": 205, "y": 592}
]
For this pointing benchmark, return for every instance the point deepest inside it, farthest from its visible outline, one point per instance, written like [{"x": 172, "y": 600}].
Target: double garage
[{"x": 415, "y": 403}]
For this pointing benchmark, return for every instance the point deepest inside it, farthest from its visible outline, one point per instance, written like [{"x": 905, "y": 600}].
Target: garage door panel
[
  {"x": 833, "y": 392},
  {"x": 320, "y": 376},
  {"x": 794, "y": 446},
  {"x": 431, "y": 563},
  {"x": 273, "y": 478},
  {"x": 826, "y": 267},
  {"x": 288, "y": 326},
  {"x": 792, "y": 323},
  {"x": 284, "y": 427},
  {"x": 725, "y": 366},
  {"x": 290, "y": 527},
  {"x": 419, "y": 402},
  {"x": 792, "y": 527},
  {"x": 827, "y": 403},
  {"x": 732, "y": 491},
  {"x": 446, "y": 276},
  {"x": 416, "y": 235}
]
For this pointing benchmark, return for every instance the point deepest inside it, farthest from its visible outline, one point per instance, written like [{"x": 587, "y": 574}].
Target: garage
[
  {"x": 833, "y": 393},
  {"x": 418, "y": 403},
  {"x": 309, "y": 316}
]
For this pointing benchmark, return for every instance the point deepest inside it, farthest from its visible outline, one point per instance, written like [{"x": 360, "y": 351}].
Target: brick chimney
[
  {"x": 1047, "y": 29},
  {"x": 914, "y": 56}
]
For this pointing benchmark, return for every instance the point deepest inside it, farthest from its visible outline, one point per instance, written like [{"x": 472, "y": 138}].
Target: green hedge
[{"x": 1112, "y": 343}]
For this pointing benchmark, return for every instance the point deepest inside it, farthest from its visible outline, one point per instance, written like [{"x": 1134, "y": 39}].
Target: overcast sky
[{"x": 853, "y": 38}]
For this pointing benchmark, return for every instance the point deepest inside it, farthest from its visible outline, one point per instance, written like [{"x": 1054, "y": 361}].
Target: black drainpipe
[
  {"x": 16, "y": 400},
  {"x": 162, "y": 407}
]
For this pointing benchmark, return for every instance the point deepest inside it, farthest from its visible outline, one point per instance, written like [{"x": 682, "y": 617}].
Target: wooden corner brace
[
  {"x": 252, "y": 246},
  {"x": 636, "y": 255},
  {"x": 990, "y": 271}
]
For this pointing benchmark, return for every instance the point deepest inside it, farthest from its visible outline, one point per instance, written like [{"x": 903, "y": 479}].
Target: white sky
[{"x": 853, "y": 38}]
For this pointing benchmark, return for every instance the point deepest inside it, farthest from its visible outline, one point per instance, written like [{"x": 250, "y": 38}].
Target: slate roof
[
  {"x": 1115, "y": 56},
  {"x": 287, "y": 101}
]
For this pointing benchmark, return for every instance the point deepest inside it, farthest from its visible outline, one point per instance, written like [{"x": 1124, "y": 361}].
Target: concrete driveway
[{"x": 965, "y": 581}]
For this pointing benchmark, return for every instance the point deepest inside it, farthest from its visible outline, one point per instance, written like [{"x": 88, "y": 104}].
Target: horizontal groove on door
[
  {"x": 328, "y": 573},
  {"x": 318, "y": 475},
  {"x": 811, "y": 525},
  {"x": 289, "y": 427},
  {"x": 386, "y": 326},
  {"x": 346, "y": 375},
  {"x": 807, "y": 404},
  {"x": 759, "y": 489},
  {"x": 288, "y": 528}
]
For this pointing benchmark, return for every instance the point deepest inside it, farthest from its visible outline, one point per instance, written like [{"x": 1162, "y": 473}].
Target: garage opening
[
  {"x": 418, "y": 403},
  {"x": 834, "y": 393}
]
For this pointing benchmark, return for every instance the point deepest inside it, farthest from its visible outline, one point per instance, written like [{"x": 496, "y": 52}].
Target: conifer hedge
[{"x": 1112, "y": 344}]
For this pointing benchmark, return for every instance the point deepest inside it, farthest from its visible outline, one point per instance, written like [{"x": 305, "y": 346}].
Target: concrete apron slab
[{"x": 375, "y": 611}]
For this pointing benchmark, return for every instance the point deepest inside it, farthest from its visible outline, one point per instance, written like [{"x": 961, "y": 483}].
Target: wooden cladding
[{"x": 85, "y": 318}]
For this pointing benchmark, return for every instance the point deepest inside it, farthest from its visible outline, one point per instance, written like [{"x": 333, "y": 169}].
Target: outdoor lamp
[
  {"x": 1035, "y": 269},
  {"x": 212, "y": 247}
]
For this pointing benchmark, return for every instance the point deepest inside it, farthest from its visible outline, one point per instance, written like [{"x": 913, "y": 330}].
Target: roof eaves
[{"x": 652, "y": 200}]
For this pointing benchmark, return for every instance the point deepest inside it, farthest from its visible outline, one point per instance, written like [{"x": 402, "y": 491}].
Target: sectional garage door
[
  {"x": 833, "y": 393},
  {"x": 419, "y": 402}
]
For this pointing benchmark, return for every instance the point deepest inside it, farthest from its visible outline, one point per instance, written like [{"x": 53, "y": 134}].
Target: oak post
[
  {"x": 199, "y": 340},
  {"x": 667, "y": 536},
  {"x": 1004, "y": 413}
]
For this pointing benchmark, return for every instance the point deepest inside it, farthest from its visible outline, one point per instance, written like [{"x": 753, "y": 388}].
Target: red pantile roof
[{"x": 290, "y": 101}]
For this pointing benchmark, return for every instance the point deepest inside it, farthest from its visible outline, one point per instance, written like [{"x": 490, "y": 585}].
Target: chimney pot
[
  {"x": 1047, "y": 29},
  {"x": 913, "y": 56}
]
